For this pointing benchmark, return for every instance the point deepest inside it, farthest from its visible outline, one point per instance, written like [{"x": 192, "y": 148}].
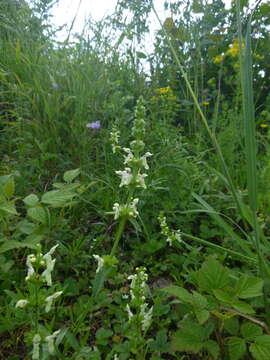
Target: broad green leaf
[
  {"x": 237, "y": 348},
  {"x": 199, "y": 301},
  {"x": 70, "y": 175},
  {"x": 224, "y": 296},
  {"x": 190, "y": 338},
  {"x": 8, "y": 207},
  {"x": 57, "y": 198},
  {"x": 179, "y": 292},
  {"x": 213, "y": 348},
  {"x": 243, "y": 307},
  {"x": 31, "y": 200},
  {"x": 261, "y": 348},
  {"x": 10, "y": 245},
  {"x": 202, "y": 316},
  {"x": 212, "y": 275},
  {"x": 249, "y": 286},
  {"x": 9, "y": 188},
  {"x": 250, "y": 331},
  {"x": 38, "y": 214},
  {"x": 232, "y": 325},
  {"x": 26, "y": 227}
]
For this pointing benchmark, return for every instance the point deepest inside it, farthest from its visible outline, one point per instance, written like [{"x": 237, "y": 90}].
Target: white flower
[
  {"x": 146, "y": 315},
  {"x": 116, "y": 210},
  {"x": 140, "y": 180},
  {"x": 30, "y": 269},
  {"x": 100, "y": 261},
  {"x": 21, "y": 303},
  {"x": 126, "y": 176},
  {"x": 144, "y": 161},
  {"x": 49, "y": 265},
  {"x": 50, "y": 341},
  {"x": 36, "y": 343},
  {"x": 130, "y": 314},
  {"x": 133, "y": 208},
  {"x": 129, "y": 157},
  {"x": 49, "y": 300}
]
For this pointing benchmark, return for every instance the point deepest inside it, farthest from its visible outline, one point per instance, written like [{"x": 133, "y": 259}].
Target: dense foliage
[{"x": 134, "y": 186}]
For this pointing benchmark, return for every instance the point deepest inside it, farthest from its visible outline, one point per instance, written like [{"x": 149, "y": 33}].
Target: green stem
[
  {"x": 218, "y": 247},
  {"x": 118, "y": 235}
]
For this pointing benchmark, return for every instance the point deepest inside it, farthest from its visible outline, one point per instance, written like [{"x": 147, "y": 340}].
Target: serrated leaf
[
  {"x": 9, "y": 188},
  {"x": 243, "y": 307},
  {"x": 250, "y": 331},
  {"x": 57, "y": 198},
  {"x": 8, "y": 207},
  {"x": 213, "y": 348},
  {"x": 212, "y": 275},
  {"x": 223, "y": 296},
  {"x": 31, "y": 200},
  {"x": 237, "y": 348},
  {"x": 190, "y": 338},
  {"x": 202, "y": 316},
  {"x": 10, "y": 245},
  {"x": 70, "y": 175},
  {"x": 38, "y": 214},
  {"x": 249, "y": 286},
  {"x": 232, "y": 325},
  {"x": 179, "y": 292},
  {"x": 261, "y": 348},
  {"x": 199, "y": 301}
]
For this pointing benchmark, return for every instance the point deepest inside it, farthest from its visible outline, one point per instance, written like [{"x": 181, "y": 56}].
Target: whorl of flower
[
  {"x": 146, "y": 316},
  {"x": 138, "y": 292},
  {"x": 49, "y": 300},
  {"x": 30, "y": 269},
  {"x": 171, "y": 235},
  {"x": 50, "y": 341},
  {"x": 138, "y": 129},
  {"x": 49, "y": 262},
  {"x": 129, "y": 210},
  {"x": 126, "y": 176},
  {"x": 114, "y": 138},
  {"x": 21, "y": 303},
  {"x": 100, "y": 262},
  {"x": 36, "y": 343}
]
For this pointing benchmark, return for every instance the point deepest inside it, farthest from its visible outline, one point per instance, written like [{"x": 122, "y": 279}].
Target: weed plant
[{"x": 134, "y": 206}]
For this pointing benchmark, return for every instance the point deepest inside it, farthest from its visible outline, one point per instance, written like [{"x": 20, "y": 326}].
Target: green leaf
[
  {"x": 243, "y": 307},
  {"x": 213, "y": 348},
  {"x": 249, "y": 286},
  {"x": 237, "y": 348},
  {"x": 71, "y": 175},
  {"x": 99, "y": 280},
  {"x": 9, "y": 188},
  {"x": 261, "y": 348},
  {"x": 212, "y": 275},
  {"x": 10, "y": 245},
  {"x": 103, "y": 335},
  {"x": 141, "y": 55},
  {"x": 57, "y": 198},
  {"x": 190, "y": 338},
  {"x": 31, "y": 200},
  {"x": 224, "y": 296},
  {"x": 8, "y": 207},
  {"x": 202, "y": 316},
  {"x": 38, "y": 214},
  {"x": 232, "y": 325},
  {"x": 250, "y": 331},
  {"x": 179, "y": 292},
  {"x": 160, "y": 344}
]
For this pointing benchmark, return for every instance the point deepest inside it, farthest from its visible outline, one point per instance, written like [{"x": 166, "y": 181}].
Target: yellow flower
[
  {"x": 234, "y": 48},
  {"x": 263, "y": 126},
  {"x": 164, "y": 91},
  {"x": 218, "y": 59},
  {"x": 206, "y": 103}
]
